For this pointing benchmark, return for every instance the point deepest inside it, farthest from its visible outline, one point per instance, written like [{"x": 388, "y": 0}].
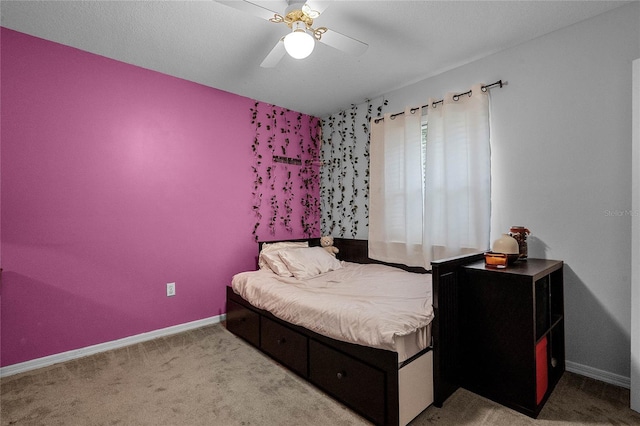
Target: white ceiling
[{"x": 219, "y": 46}]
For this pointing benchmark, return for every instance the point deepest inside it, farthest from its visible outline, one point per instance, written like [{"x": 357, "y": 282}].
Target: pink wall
[{"x": 114, "y": 181}]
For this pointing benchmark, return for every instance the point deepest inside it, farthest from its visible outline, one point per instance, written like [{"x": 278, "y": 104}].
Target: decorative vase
[{"x": 520, "y": 234}]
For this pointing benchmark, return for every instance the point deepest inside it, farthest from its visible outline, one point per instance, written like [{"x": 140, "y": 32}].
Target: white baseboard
[
  {"x": 102, "y": 347},
  {"x": 594, "y": 373}
]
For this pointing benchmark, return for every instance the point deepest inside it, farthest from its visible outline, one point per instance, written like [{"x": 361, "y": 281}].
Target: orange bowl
[{"x": 496, "y": 260}]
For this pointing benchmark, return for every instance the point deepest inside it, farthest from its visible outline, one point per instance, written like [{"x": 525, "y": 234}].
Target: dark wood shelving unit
[{"x": 512, "y": 333}]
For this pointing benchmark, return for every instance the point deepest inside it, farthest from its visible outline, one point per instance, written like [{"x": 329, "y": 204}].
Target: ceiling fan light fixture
[{"x": 299, "y": 43}]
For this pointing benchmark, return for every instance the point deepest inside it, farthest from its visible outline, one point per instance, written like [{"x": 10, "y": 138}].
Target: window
[{"x": 430, "y": 187}]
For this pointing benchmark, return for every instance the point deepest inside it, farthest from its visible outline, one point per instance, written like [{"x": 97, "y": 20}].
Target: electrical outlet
[{"x": 171, "y": 289}]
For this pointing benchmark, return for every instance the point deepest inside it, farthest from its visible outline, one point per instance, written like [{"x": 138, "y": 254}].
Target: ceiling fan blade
[
  {"x": 254, "y": 8},
  {"x": 314, "y": 8},
  {"x": 342, "y": 42},
  {"x": 272, "y": 59}
]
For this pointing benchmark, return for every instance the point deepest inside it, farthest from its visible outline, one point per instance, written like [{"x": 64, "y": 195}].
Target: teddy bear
[{"x": 327, "y": 243}]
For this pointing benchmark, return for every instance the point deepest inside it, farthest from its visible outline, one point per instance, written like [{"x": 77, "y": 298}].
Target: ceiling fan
[{"x": 298, "y": 15}]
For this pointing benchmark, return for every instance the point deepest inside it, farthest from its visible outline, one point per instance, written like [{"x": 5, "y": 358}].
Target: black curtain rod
[{"x": 455, "y": 98}]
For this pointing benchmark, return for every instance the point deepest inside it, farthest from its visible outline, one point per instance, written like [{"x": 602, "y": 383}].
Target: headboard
[
  {"x": 358, "y": 251},
  {"x": 313, "y": 242},
  {"x": 351, "y": 250}
]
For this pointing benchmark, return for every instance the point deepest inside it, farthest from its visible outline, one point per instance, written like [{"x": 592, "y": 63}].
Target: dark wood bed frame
[{"x": 373, "y": 392}]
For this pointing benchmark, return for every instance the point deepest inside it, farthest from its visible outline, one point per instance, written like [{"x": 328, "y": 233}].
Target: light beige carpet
[{"x": 208, "y": 376}]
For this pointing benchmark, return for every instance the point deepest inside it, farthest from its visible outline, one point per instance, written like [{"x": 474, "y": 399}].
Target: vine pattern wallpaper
[
  {"x": 344, "y": 189},
  {"x": 286, "y": 169}
]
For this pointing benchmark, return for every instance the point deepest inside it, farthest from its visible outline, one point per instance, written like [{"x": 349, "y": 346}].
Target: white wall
[{"x": 561, "y": 159}]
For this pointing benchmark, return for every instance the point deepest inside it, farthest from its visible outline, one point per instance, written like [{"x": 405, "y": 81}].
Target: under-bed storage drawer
[
  {"x": 243, "y": 322},
  {"x": 285, "y": 345},
  {"x": 356, "y": 384}
]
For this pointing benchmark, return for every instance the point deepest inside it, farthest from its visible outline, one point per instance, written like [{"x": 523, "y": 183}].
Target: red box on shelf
[{"x": 542, "y": 377}]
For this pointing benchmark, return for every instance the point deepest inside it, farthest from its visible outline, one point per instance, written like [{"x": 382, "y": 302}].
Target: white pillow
[
  {"x": 272, "y": 248},
  {"x": 308, "y": 262},
  {"x": 272, "y": 261}
]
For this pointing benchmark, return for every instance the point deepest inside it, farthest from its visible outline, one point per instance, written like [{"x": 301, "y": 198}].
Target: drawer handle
[
  {"x": 281, "y": 341},
  {"x": 341, "y": 375}
]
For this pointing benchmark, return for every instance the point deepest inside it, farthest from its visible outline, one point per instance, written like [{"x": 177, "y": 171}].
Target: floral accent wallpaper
[
  {"x": 344, "y": 187},
  {"x": 286, "y": 169}
]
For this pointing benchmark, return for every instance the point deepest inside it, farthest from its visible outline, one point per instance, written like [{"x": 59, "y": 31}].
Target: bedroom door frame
[{"x": 635, "y": 241}]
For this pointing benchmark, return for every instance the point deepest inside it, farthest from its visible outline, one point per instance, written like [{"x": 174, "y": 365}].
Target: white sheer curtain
[
  {"x": 457, "y": 196},
  {"x": 395, "y": 189},
  {"x": 414, "y": 217}
]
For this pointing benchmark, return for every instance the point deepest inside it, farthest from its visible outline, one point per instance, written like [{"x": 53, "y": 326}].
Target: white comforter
[{"x": 364, "y": 304}]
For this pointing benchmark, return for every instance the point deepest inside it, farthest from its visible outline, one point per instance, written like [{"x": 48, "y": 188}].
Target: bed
[{"x": 405, "y": 360}]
